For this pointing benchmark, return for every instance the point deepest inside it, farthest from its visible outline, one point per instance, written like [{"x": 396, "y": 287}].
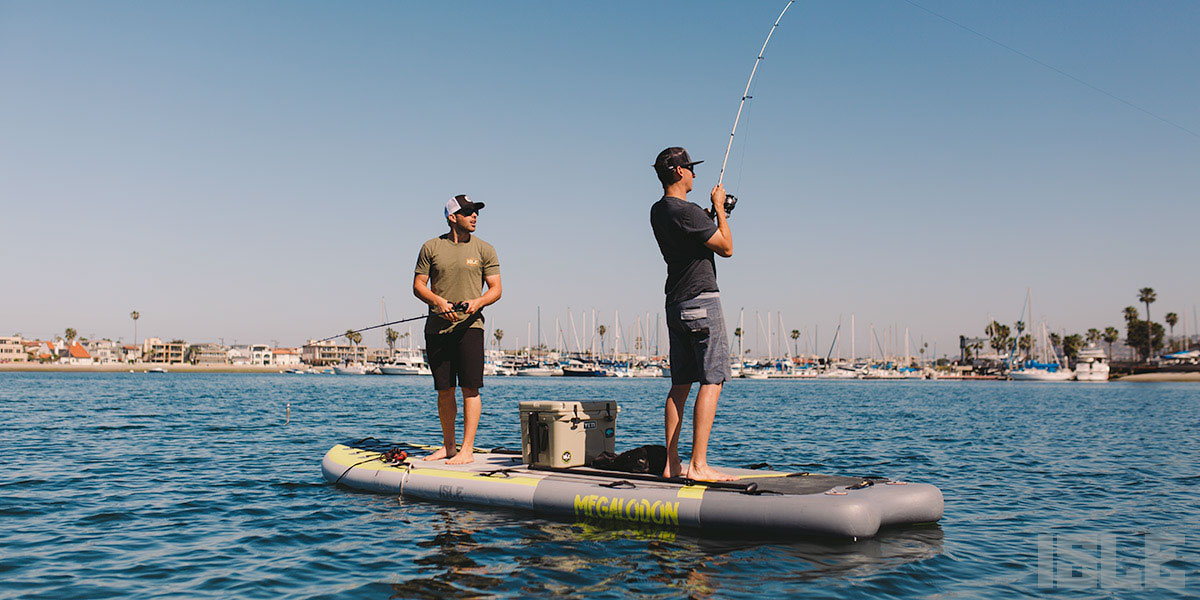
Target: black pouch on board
[{"x": 646, "y": 459}]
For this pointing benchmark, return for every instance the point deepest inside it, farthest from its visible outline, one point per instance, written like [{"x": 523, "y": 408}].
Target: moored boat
[{"x": 1091, "y": 364}]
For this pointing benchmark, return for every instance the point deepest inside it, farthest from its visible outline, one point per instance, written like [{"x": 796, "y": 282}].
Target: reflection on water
[
  {"x": 588, "y": 557},
  {"x": 447, "y": 570}
]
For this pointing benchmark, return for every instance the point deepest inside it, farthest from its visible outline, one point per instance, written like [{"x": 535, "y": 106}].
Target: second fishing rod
[{"x": 457, "y": 307}]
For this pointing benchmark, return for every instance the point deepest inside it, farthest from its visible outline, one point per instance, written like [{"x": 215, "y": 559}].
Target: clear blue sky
[{"x": 267, "y": 170}]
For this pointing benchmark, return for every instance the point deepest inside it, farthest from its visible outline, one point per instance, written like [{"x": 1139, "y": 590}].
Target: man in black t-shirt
[{"x": 687, "y": 238}]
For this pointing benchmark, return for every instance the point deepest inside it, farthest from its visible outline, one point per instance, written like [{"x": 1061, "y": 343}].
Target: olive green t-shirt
[{"x": 456, "y": 271}]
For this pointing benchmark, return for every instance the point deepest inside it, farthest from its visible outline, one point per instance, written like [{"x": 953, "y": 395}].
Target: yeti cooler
[{"x": 566, "y": 434}]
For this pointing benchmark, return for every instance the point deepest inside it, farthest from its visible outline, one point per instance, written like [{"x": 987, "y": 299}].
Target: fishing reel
[
  {"x": 460, "y": 306},
  {"x": 394, "y": 456},
  {"x": 730, "y": 204}
]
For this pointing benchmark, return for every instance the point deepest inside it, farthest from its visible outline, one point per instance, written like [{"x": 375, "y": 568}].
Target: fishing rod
[
  {"x": 456, "y": 307},
  {"x": 746, "y": 96}
]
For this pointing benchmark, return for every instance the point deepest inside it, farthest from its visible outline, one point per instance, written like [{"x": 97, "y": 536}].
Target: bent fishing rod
[
  {"x": 746, "y": 94},
  {"x": 456, "y": 307},
  {"x": 730, "y": 199}
]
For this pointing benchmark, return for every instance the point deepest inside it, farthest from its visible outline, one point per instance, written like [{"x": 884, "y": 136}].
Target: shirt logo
[{"x": 472, "y": 262}]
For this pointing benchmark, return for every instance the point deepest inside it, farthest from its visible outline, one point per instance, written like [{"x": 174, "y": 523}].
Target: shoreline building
[
  {"x": 12, "y": 349},
  {"x": 285, "y": 357},
  {"x": 321, "y": 354},
  {"x": 155, "y": 350}
]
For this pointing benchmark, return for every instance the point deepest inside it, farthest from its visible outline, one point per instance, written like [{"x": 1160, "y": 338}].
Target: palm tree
[
  {"x": 1071, "y": 345},
  {"x": 1146, "y": 295},
  {"x": 1171, "y": 320},
  {"x": 737, "y": 333},
  {"x": 354, "y": 338},
  {"x": 1093, "y": 334},
  {"x": 1131, "y": 314},
  {"x": 1025, "y": 343},
  {"x": 1110, "y": 336},
  {"x": 135, "y": 315},
  {"x": 499, "y": 335},
  {"x": 70, "y": 334},
  {"x": 602, "y": 330},
  {"x": 390, "y": 336},
  {"x": 795, "y": 336},
  {"x": 998, "y": 335}
]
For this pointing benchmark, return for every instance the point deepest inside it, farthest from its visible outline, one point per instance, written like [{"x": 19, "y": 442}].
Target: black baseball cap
[
  {"x": 459, "y": 203},
  {"x": 674, "y": 157}
]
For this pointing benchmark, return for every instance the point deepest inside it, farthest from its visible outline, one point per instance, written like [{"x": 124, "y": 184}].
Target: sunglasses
[
  {"x": 690, "y": 168},
  {"x": 466, "y": 213}
]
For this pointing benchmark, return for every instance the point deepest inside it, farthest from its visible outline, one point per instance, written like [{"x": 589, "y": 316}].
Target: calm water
[{"x": 136, "y": 485}]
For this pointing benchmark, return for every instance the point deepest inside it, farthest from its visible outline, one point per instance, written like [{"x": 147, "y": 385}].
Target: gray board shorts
[{"x": 699, "y": 344}]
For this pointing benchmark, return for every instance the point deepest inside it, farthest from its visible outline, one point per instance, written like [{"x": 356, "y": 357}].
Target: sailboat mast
[
  {"x": 741, "y": 325},
  {"x": 853, "y": 353}
]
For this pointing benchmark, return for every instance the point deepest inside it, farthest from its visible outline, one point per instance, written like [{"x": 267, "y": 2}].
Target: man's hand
[
  {"x": 473, "y": 305},
  {"x": 447, "y": 310},
  {"x": 718, "y": 199}
]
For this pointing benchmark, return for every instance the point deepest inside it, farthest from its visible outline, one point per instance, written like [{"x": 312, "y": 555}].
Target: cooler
[{"x": 567, "y": 434}]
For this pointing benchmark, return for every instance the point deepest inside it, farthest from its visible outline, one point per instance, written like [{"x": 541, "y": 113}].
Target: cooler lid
[{"x": 567, "y": 406}]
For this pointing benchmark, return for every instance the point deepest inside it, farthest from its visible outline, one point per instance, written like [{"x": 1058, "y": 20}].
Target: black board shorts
[{"x": 456, "y": 358}]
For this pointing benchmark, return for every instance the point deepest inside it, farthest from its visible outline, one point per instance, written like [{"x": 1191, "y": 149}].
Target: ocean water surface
[{"x": 136, "y": 485}]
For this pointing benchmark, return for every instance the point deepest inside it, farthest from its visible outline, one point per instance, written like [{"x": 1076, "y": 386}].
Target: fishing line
[
  {"x": 746, "y": 94},
  {"x": 1055, "y": 69}
]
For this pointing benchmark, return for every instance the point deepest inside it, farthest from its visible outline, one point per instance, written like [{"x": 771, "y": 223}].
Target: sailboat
[{"x": 1031, "y": 369}]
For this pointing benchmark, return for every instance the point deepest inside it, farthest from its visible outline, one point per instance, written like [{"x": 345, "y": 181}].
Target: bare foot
[
  {"x": 673, "y": 468},
  {"x": 437, "y": 455},
  {"x": 463, "y": 457},
  {"x": 707, "y": 473}
]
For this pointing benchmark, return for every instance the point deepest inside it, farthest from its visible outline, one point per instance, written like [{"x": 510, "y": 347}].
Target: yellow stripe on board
[
  {"x": 692, "y": 491},
  {"x": 347, "y": 456},
  {"x": 447, "y": 473}
]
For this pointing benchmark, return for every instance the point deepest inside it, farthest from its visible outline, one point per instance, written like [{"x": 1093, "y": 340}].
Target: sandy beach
[{"x": 1166, "y": 376}]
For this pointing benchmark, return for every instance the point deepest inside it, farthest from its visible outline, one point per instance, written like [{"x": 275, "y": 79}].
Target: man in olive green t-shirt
[{"x": 450, "y": 274}]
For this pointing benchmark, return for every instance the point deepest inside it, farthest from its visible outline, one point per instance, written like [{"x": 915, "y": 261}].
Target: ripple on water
[{"x": 189, "y": 485}]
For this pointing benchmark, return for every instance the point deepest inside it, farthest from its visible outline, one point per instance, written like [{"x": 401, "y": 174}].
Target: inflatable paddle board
[{"x": 759, "y": 503}]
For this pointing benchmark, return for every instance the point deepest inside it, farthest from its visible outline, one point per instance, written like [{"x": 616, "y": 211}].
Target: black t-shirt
[{"x": 681, "y": 229}]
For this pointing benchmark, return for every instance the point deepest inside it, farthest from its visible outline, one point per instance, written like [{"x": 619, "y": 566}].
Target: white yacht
[
  {"x": 540, "y": 370},
  {"x": 1091, "y": 364},
  {"x": 406, "y": 362},
  {"x": 355, "y": 368},
  {"x": 1039, "y": 372}
]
